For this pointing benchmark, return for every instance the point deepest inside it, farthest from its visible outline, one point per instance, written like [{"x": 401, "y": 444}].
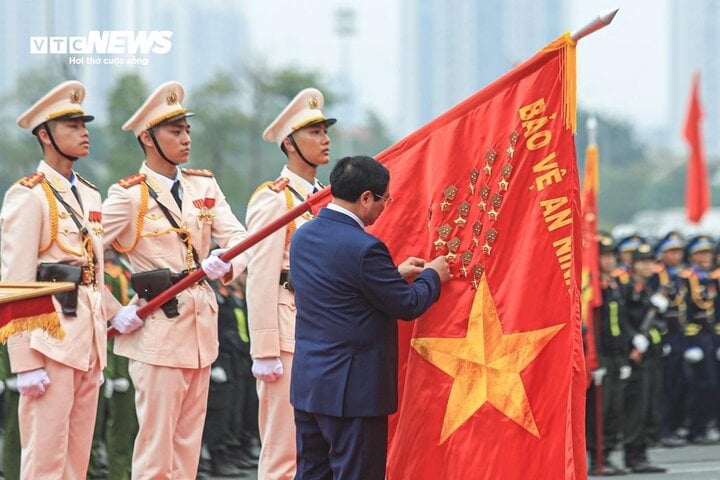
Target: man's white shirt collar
[{"x": 338, "y": 208}]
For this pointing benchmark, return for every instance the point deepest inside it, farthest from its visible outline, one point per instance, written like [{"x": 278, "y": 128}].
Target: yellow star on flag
[{"x": 486, "y": 365}]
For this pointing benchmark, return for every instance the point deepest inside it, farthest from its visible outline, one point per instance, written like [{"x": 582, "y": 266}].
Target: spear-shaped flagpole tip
[{"x": 602, "y": 20}]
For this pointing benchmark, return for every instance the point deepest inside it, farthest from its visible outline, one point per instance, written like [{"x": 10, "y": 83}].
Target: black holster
[
  {"x": 149, "y": 285},
  {"x": 62, "y": 272}
]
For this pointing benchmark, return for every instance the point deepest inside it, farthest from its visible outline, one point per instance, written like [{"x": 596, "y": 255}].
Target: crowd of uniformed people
[{"x": 657, "y": 338}]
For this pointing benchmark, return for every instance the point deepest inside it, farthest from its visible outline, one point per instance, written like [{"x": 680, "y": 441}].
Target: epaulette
[
  {"x": 279, "y": 184},
  {"x": 86, "y": 182},
  {"x": 715, "y": 274},
  {"x": 31, "y": 180},
  {"x": 621, "y": 276},
  {"x": 133, "y": 179},
  {"x": 200, "y": 172},
  {"x": 687, "y": 273}
]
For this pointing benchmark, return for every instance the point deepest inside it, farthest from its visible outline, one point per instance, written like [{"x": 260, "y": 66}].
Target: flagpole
[
  {"x": 198, "y": 275},
  {"x": 602, "y": 20}
]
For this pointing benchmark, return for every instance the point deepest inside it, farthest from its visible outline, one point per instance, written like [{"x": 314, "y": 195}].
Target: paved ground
[{"x": 685, "y": 463}]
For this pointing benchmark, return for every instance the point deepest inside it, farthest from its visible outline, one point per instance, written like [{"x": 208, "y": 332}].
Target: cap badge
[
  {"x": 75, "y": 96},
  {"x": 313, "y": 103},
  {"x": 172, "y": 97}
]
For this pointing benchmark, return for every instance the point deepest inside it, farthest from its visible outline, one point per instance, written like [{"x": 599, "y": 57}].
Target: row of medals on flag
[{"x": 489, "y": 204}]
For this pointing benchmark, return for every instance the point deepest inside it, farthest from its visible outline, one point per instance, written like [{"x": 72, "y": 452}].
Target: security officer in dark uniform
[
  {"x": 667, "y": 282},
  {"x": 122, "y": 423},
  {"x": 612, "y": 337},
  {"x": 700, "y": 349},
  {"x": 224, "y": 376},
  {"x": 642, "y": 391}
]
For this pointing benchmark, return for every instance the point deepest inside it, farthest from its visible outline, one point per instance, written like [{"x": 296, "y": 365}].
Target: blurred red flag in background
[{"x": 697, "y": 187}]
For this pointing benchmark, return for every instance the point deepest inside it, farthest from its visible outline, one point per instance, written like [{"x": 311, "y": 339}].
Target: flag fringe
[
  {"x": 569, "y": 72},
  {"x": 46, "y": 321}
]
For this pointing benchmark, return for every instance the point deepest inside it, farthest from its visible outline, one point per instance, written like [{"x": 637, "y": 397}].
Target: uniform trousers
[
  {"x": 56, "y": 429},
  {"x": 171, "y": 404},
  {"x": 277, "y": 426}
]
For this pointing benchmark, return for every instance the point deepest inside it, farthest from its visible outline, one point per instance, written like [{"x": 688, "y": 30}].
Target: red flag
[
  {"x": 492, "y": 377},
  {"x": 697, "y": 187},
  {"x": 591, "y": 295},
  {"x": 26, "y": 306}
]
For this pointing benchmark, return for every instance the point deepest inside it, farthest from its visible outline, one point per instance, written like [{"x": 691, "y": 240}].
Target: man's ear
[
  {"x": 288, "y": 144},
  {"x": 43, "y": 136},
  {"x": 146, "y": 140}
]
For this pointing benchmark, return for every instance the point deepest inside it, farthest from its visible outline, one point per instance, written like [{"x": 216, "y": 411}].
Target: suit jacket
[
  {"x": 191, "y": 339},
  {"x": 349, "y": 294},
  {"x": 271, "y": 308},
  {"x": 29, "y": 238}
]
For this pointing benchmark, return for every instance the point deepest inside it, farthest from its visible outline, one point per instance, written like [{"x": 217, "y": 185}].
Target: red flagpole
[{"x": 315, "y": 200}]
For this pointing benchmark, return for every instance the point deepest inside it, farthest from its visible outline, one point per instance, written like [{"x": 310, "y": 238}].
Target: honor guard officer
[
  {"x": 301, "y": 133},
  {"x": 625, "y": 248},
  {"x": 164, "y": 219},
  {"x": 667, "y": 281},
  {"x": 51, "y": 231},
  {"x": 699, "y": 353}
]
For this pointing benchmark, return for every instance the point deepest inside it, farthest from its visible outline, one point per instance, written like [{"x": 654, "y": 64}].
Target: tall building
[
  {"x": 206, "y": 36},
  {"x": 695, "y": 41},
  {"x": 453, "y": 48}
]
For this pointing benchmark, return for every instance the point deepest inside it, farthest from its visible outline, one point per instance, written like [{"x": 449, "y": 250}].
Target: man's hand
[
  {"x": 411, "y": 267},
  {"x": 214, "y": 267},
  {"x": 33, "y": 383},
  {"x": 126, "y": 319},
  {"x": 640, "y": 342},
  {"x": 442, "y": 267},
  {"x": 267, "y": 369},
  {"x": 218, "y": 375},
  {"x": 660, "y": 302}
]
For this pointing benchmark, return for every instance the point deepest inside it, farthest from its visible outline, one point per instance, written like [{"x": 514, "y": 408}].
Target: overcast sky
[{"x": 622, "y": 70}]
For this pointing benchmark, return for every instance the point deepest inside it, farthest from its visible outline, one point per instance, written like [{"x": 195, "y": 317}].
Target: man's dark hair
[{"x": 352, "y": 176}]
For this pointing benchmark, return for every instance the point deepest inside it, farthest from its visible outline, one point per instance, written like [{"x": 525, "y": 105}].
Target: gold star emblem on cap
[
  {"x": 75, "y": 96},
  {"x": 485, "y": 365},
  {"x": 313, "y": 103},
  {"x": 172, "y": 97}
]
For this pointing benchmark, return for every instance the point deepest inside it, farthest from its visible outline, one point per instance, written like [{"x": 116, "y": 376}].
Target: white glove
[
  {"x": 666, "y": 350},
  {"x": 640, "y": 342},
  {"x": 2, "y": 387},
  {"x": 121, "y": 385},
  {"x": 717, "y": 354},
  {"x": 11, "y": 384},
  {"x": 102, "y": 378},
  {"x": 625, "y": 372},
  {"x": 218, "y": 375},
  {"x": 109, "y": 388},
  {"x": 214, "y": 267},
  {"x": 693, "y": 354},
  {"x": 126, "y": 319},
  {"x": 33, "y": 382},
  {"x": 267, "y": 369},
  {"x": 660, "y": 302},
  {"x": 597, "y": 375}
]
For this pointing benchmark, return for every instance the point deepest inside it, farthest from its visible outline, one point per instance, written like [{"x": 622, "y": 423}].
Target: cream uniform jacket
[
  {"x": 133, "y": 219},
  {"x": 30, "y": 237},
  {"x": 271, "y": 307}
]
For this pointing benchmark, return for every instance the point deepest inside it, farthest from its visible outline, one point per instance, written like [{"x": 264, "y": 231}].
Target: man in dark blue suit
[{"x": 349, "y": 294}]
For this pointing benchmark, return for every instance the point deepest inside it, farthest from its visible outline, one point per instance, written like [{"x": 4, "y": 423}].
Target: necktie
[
  {"x": 77, "y": 195},
  {"x": 175, "y": 190},
  {"x": 315, "y": 189}
]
